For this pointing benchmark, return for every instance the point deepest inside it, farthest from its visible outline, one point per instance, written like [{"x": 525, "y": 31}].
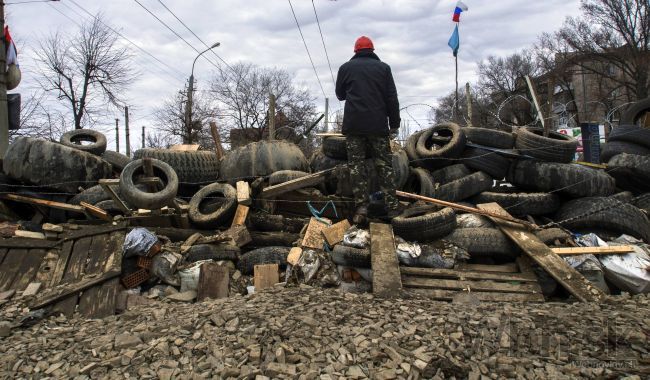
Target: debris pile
[{"x": 92, "y": 231}]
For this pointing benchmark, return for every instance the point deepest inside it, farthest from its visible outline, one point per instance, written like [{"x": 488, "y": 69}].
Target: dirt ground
[{"x": 310, "y": 333}]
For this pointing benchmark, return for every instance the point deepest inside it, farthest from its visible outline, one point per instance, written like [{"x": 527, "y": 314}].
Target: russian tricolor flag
[{"x": 460, "y": 7}]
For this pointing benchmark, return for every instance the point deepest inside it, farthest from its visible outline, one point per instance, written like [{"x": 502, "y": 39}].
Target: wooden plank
[
  {"x": 244, "y": 193},
  {"x": 265, "y": 276},
  {"x": 474, "y": 286},
  {"x": 106, "y": 185},
  {"x": 533, "y": 95},
  {"x": 3, "y": 253},
  {"x": 97, "y": 257},
  {"x": 71, "y": 290},
  {"x": 107, "y": 294},
  {"x": 500, "y": 268},
  {"x": 295, "y": 184},
  {"x": 386, "y": 279},
  {"x": 553, "y": 264},
  {"x": 466, "y": 275},
  {"x": 18, "y": 242},
  {"x": 294, "y": 255},
  {"x": 314, "y": 235},
  {"x": 448, "y": 295},
  {"x": 615, "y": 249},
  {"x": 334, "y": 234},
  {"x": 43, "y": 202},
  {"x": 47, "y": 267},
  {"x": 239, "y": 235},
  {"x": 329, "y": 134},
  {"x": 62, "y": 263},
  {"x": 96, "y": 211},
  {"x": 28, "y": 269},
  {"x": 73, "y": 273},
  {"x": 214, "y": 281},
  {"x": 29, "y": 234},
  {"x": 240, "y": 215},
  {"x": 10, "y": 267}
]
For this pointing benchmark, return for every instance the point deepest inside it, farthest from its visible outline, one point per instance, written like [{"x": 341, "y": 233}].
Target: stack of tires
[{"x": 334, "y": 152}]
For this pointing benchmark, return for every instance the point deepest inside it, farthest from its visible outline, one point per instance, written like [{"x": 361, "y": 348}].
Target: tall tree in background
[
  {"x": 610, "y": 40},
  {"x": 170, "y": 117},
  {"x": 87, "y": 70},
  {"x": 242, "y": 93},
  {"x": 501, "y": 81}
]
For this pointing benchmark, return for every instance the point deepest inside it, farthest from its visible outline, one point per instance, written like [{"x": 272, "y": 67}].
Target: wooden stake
[
  {"x": 533, "y": 94},
  {"x": 467, "y": 209}
]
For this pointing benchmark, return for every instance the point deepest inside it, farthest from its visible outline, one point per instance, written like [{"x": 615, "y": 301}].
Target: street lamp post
[{"x": 190, "y": 90}]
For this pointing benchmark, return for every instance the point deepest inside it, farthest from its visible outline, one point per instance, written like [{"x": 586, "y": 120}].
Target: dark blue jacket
[{"x": 367, "y": 86}]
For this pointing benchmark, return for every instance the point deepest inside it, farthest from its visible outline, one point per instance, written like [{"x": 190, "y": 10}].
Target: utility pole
[
  {"x": 327, "y": 114},
  {"x": 468, "y": 98},
  {"x": 126, "y": 128},
  {"x": 188, "y": 111},
  {"x": 4, "y": 115},
  {"x": 143, "y": 137},
  {"x": 271, "y": 117},
  {"x": 117, "y": 135}
]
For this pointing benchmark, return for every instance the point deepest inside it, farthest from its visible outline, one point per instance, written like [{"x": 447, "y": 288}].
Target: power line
[
  {"x": 131, "y": 42},
  {"x": 323, "y": 40},
  {"x": 65, "y": 15},
  {"x": 197, "y": 37},
  {"x": 306, "y": 48},
  {"x": 173, "y": 31},
  {"x": 30, "y": 1}
]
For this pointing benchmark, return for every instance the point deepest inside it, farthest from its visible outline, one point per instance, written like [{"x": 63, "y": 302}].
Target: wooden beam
[
  {"x": 466, "y": 275},
  {"x": 74, "y": 288},
  {"x": 184, "y": 147},
  {"x": 217, "y": 140},
  {"x": 240, "y": 215},
  {"x": 295, "y": 184},
  {"x": 613, "y": 250},
  {"x": 540, "y": 115},
  {"x": 465, "y": 208},
  {"x": 43, "y": 202},
  {"x": 553, "y": 264},
  {"x": 448, "y": 295},
  {"x": 96, "y": 211},
  {"x": 265, "y": 276},
  {"x": 473, "y": 286},
  {"x": 386, "y": 279},
  {"x": 329, "y": 134},
  {"x": 106, "y": 185},
  {"x": 499, "y": 268},
  {"x": 244, "y": 193}
]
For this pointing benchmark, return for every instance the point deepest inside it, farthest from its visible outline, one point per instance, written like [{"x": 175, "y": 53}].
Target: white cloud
[{"x": 410, "y": 35}]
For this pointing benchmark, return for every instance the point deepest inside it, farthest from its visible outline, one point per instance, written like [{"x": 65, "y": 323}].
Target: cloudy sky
[{"x": 410, "y": 35}]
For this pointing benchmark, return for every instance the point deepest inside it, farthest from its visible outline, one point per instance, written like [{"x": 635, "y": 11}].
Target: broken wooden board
[
  {"x": 43, "y": 202},
  {"x": 95, "y": 211},
  {"x": 240, "y": 215},
  {"x": 239, "y": 235},
  {"x": 314, "y": 233},
  {"x": 467, "y": 275},
  {"x": 500, "y": 268},
  {"x": 72, "y": 289},
  {"x": 448, "y": 295},
  {"x": 214, "y": 281},
  {"x": 106, "y": 185},
  {"x": 28, "y": 269},
  {"x": 334, "y": 234},
  {"x": 613, "y": 250},
  {"x": 243, "y": 193},
  {"x": 265, "y": 276},
  {"x": 553, "y": 264},
  {"x": 295, "y": 184},
  {"x": 294, "y": 255},
  {"x": 386, "y": 279}
]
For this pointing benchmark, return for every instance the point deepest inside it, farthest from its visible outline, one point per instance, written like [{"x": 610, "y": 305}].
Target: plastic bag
[
  {"x": 138, "y": 242},
  {"x": 629, "y": 272},
  {"x": 164, "y": 266},
  {"x": 356, "y": 237},
  {"x": 190, "y": 276},
  {"x": 407, "y": 253}
]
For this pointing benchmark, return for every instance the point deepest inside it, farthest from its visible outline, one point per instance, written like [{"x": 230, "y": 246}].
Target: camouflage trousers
[{"x": 380, "y": 154}]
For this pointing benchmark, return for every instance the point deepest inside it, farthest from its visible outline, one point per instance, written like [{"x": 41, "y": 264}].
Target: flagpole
[{"x": 456, "y": 108}]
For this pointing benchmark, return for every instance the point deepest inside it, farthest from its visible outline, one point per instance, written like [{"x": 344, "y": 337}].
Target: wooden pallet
[
  {"x": 80, "y": 255},
  {"x": 507, "y": 283}
]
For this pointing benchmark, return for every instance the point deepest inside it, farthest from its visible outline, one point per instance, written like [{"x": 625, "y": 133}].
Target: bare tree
[
  {"x": 610, "y": 40},
  {"x": 170, "y": 117},
  {"x": 243, "y": 97},
  {"x": 86, "y": 70},
  {"x": 501, "y": 80}
]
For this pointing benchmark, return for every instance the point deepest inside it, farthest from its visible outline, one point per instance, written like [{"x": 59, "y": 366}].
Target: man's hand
[{"x": 394, "y": 133}]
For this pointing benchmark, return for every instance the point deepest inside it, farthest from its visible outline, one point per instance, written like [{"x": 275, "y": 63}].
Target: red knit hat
[{"x": 363, "y": 42}]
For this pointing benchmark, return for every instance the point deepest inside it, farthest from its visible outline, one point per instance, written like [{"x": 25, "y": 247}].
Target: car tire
[
  {"x": 142, "y": 199},
  {"x": 557, "y": 147},
  {"x": 221, "y": 210},
  {"x": 424, "y": 223},
  {"x": 74, "y": 138}
]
